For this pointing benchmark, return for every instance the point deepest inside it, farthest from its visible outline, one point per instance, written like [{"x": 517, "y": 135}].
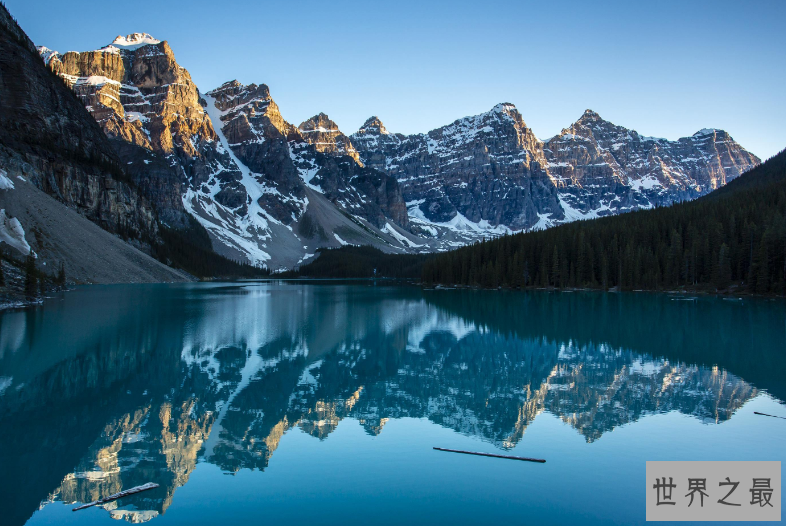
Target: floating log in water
[
  {"x": 765, "y": 414},
  {"x": 509, "y": 457},
  {"x": 125, "y": 493}
]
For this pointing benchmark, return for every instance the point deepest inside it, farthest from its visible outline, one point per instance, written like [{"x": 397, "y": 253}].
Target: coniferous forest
[
  {"x": 361, "y": 262},
  {"x": 733, "y": 239}
]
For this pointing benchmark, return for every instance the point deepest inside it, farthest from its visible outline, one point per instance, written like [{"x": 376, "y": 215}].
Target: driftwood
[
  {"x": 765, "y": 414},
  {"x": 509, "y": 457},
  {"x": 124, "y": 493}
]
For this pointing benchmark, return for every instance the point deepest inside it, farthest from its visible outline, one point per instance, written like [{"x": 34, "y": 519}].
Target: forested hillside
[
  {"x": 361, "y": 262},
  {"x": 733, "y": 239}
]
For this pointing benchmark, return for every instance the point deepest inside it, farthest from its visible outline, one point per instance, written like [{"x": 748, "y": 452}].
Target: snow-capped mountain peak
[
  {"x": 608, "y": 169},
  {"x": 506, "y": 108},
  {"x": 133, "y": 41},
  {"x": 269, "y": 192}
]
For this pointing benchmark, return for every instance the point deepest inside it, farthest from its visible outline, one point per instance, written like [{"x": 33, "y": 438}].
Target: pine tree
[
  {"x": 61, "y": 278},
  {"x": 723, "y": 272},
  {"x": 762, "y": 270},
  {"x": 2, "y": 276},
  {"x": 31, "y": 279}
]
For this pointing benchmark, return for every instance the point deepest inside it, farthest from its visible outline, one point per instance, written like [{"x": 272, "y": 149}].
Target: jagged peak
[
  {"x": 134, "y": 41},
  {"x": 236, "y": 87},
  {"x": 589, "y": 119},
  {"x": 590, "y": 116},
  {"x": 319, "y": 123},
  {"x": 505, "y": 110},
  {"x": 709, "y": 131},
  {"x": 374, "y": 126},
  {"x": 504, "y": 107},
  {"x": 228, "y": 84}
]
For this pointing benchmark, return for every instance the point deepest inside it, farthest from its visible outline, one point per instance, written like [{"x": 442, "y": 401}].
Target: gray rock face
[
  {"x": 489, "y": 167},
  {"x": 316, "y": 155},
  {"x": 603, "y": 169},
  {"x": 491, "y": 170},
  {"x": 259, "y": 136},
  {"x": 47, "y": 137}
]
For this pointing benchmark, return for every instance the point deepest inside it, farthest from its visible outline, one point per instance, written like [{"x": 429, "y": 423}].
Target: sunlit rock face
[
  {"x": 139, "y": 94},
  {"x": 227, "y": 157},
  {"x": 324, "y": 134},
  {"x": 604, "y": 169},
  {"x": 47, "y": 139}
]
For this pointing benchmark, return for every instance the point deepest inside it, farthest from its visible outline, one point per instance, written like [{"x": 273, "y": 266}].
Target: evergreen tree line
[
  {"x": 360, "y": 262},
  {"x": 190, "y": 250},
  {"x": 732, "y": 239},
  {"x": 34, "y": 283}
]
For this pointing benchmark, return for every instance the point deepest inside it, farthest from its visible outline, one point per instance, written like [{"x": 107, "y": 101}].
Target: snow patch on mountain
[
  {"x": 459, "y": 224},
  {"x": 46, "y": 53},
  {"x": 12, "y": 233},
  {"x": 133, "y": 41},
  {"x": 405, "y": 242},
  {"x": 247, "y": 233},
  {"x": 5, "y": 182},
  {"x": 93, "y": 80}
]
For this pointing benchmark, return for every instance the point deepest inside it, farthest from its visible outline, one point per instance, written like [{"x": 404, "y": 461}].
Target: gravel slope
[{"x": 90, "y": 254}]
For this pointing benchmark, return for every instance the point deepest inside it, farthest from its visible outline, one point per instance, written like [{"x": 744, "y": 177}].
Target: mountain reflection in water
[{"x": 111, "y": 387}]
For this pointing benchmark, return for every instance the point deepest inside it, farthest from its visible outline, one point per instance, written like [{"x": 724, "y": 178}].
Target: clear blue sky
[{"x": 665, "y": 68}]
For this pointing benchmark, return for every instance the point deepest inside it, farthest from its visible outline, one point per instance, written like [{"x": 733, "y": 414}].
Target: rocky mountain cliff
[
  {"x": 270, "y": 193},
  {"x": 602, "y": 169},
  {"x": 140, "y": 96},
  {"x": 488, "y": 170},
  {"x": 48, "y": 139},
  {"x": 316, "y": 155},
  {"x": 228, "y": 158},
  {"x": 324, "y": 134},
  {"x": 489, "y": 174}
]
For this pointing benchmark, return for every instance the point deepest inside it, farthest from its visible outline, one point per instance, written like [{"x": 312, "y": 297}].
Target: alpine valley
[{"x": 225, "y": 163}]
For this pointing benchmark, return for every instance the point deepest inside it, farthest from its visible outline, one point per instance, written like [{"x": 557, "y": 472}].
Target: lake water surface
[{"x": 320, "y": 403}]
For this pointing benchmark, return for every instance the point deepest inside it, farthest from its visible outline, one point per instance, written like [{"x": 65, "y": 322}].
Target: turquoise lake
[{"x": 320, "y": 403}]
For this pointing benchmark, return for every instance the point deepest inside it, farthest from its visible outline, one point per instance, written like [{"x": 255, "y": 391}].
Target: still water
[{"x": 321, "y": 403}]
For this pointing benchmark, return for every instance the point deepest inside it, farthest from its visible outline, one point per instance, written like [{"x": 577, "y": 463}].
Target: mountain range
[{"x": 225, "y": 167}]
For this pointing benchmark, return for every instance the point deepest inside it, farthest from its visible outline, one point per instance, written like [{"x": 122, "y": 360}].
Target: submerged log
[
  {"x": 765, "y": 414},
  {"x": 509, "y": 457},
  {"x": 120, "y": 495}
]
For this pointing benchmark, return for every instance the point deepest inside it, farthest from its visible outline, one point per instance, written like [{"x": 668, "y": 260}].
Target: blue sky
[{"x": 663, "y": 68}]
